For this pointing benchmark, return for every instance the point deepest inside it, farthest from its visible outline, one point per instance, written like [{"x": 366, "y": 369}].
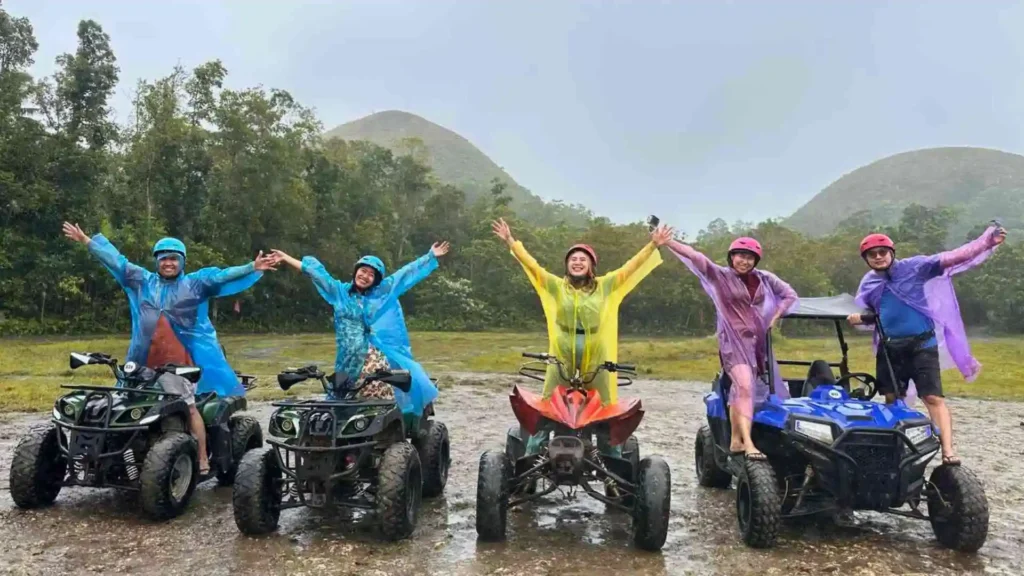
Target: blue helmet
[
  {"x": 169, "y": 245},
  {"x": 373, "y": 262}
]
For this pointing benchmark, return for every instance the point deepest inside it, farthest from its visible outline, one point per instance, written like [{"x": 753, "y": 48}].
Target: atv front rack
[{"x": 293, "y": 457}]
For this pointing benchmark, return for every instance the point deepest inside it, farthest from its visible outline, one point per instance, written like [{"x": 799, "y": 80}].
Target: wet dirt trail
[{"x": 100, "y": 531}]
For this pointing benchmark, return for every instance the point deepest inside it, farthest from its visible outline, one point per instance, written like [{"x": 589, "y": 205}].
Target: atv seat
[{"x": 819, "y": 374}]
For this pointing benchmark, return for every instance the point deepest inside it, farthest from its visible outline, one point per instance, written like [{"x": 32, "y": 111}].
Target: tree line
[{"x": 232, "y": 172}]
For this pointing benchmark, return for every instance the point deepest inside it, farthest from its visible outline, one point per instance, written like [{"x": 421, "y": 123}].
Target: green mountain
[
  {"x": 453, "y": 159},
  {"x": 979, "y": 184}
]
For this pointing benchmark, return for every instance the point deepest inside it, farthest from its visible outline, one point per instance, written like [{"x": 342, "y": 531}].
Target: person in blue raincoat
[
  {"x": 369, "y": 325},
  {"x": 170, "y": 320}
]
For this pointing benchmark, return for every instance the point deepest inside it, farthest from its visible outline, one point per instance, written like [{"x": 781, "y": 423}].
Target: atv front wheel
[
  {"x": 492, "y": 495},
  {"x": 709, "y": 474},
  {"x": 958, "y": 511},
  {"x": 37, "y": 468},
  {"x": 400, "y": 491},
  {"x": 653, "y": 503},
  {"x": 435, "y": 456},
  {"x": 169, "y": 475},
  {"x": 246, "y": 435},
  {"x": 758, "y": 506},
  {"x": 256, "y": 495}
]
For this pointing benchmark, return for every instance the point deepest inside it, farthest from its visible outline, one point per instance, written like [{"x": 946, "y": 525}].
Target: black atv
[
  {"x": 349, "y": 452},
  {"x": 133, "y": 436}
]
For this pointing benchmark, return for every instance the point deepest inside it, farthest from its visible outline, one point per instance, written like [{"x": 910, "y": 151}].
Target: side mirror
[
  {"x": 190, "y": 373},
  {"x": 400, "y": 379},
  {"x": 78, "y": 360}
]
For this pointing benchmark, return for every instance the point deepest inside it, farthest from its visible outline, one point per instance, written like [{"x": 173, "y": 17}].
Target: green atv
[
  {"x": 132, "y": 436},
  {"x": 346, "y": 451}
]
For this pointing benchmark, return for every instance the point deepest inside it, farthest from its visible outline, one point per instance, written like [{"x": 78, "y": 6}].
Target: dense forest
[{"x": 232, "y": 172}]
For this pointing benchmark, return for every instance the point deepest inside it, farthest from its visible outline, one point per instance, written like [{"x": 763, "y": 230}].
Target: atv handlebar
[
  {"x": 578, "y": 380},
  {"x": 401, "y": 379}
]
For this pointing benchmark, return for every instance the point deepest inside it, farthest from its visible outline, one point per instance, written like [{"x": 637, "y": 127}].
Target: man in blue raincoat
[
  {"x": 369, "y": 325},
  {"x": 170, "y": 320}
]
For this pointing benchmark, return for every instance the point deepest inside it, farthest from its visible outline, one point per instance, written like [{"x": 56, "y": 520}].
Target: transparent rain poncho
[
  {"x": 375, "y": 318},
  {"x": 742, "y": 324},
  {"x": 595, "y": 314},
  {"x": 925, "y": 283},
  {"x": 183, "y": 303}
]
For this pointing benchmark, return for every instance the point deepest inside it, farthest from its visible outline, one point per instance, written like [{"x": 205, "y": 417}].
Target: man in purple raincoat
[{"x": 914, "y": 302}]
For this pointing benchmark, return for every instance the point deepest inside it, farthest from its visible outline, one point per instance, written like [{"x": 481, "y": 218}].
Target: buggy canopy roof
[{"x": 825, "y": 308}]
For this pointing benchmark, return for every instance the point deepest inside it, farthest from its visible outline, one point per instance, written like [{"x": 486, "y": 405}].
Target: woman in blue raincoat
[
  {"x": 170, "y": 311},
  {"x": 369, "y": 325}
]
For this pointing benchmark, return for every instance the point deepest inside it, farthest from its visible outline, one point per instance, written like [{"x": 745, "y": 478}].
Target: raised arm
[
  {"x": 539, "y": 277},
  {"x": 626, "y": 278},
  {"x": 326, "y": 285},
  {"x": 969, "y": 252},
  {"x": 226, "y": 281},
  {"x": 414, "y": 272},
  {"x": 126, "y": 273},
  {"x": 700, "y": 262}
]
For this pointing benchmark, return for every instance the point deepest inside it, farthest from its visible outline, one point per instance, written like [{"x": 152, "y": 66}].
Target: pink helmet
[{"x": 745, "y": 244}]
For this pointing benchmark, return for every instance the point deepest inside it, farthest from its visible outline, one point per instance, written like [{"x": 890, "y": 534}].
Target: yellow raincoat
[{"x": 594, "y": 313}]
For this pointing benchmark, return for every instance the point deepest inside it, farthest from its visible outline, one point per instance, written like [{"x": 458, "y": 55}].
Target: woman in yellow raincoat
[{"x": 582, "y": 311}]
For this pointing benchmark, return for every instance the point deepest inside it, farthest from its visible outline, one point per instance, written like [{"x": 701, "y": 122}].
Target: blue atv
[{"x": 831, "y": 449}]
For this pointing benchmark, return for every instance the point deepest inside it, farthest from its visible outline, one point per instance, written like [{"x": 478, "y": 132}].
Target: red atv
[{"x": 569, "y": 456}]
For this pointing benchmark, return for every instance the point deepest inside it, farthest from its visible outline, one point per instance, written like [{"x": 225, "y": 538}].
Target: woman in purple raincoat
[
  {"x": 920, "y": 319},
  {"x": 748, "y": 302}
]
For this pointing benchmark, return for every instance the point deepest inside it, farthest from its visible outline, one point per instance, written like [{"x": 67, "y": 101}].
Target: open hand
[
  {"x": 440, "y": 249},
  {"x": 73, "y": 232},
  {"x": 501, "y": 230},
  {"x": 661, "y": 235},
  {"x": 999, "y": 236},
  {"x": 267, "y": 262}
]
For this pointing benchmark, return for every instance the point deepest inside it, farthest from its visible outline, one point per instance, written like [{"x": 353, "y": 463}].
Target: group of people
[{"x": 914, "y": 316}]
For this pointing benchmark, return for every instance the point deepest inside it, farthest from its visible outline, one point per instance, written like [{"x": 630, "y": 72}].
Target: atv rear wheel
[
  {"x": 492, "y": 495},
  {"x": 653, "y": 503},
  {"x": 435, "y": 456},
  {"x": 246, "y": 435},
  {"x": 758, "y": 506},
  {"x": 709, "y": 474},
  {"x": 959, "y": 511},
  {"x": 37, "y": 468},
  {"x": 256, "y": 495},
  {"x": 169, "y": 475},
  {"x": 399, "y": 491}
]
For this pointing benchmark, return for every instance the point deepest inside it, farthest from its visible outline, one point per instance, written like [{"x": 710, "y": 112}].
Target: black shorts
[{"x": 921, "y": 366}]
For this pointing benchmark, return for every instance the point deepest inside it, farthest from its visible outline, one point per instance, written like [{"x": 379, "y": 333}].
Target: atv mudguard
[{"x": 576, "y": 412}]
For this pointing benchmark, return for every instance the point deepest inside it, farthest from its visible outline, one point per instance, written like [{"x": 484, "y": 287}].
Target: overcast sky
[{"x": 691, "y": 110}]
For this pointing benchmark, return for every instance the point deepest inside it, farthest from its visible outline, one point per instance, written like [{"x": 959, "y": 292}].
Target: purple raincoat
[
  {"x": 742, "y": 323},
  {"x": 925, "y": 284}
]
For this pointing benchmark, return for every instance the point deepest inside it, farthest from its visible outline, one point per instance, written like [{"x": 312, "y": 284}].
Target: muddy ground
[{"x": 100, "y": 531}]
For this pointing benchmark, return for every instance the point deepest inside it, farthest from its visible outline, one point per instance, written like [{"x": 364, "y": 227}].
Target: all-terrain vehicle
[
  {"x": 351, "y": 452},
  {"x": 831, "y": 449},
  {"x": 569, "y": 456},
  {"x": 133, "y": 436}
]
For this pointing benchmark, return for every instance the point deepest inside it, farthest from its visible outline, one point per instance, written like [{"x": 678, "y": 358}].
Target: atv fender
[{"x": 567, "y": 408}]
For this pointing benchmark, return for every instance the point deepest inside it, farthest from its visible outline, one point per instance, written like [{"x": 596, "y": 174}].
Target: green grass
[{"x": 32, "y": 370}]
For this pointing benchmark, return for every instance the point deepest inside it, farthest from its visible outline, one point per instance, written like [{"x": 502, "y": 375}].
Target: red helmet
[
  {"x": 583, "y": 248},
  {"x": 876, "y": 241},
  {"x": 745, "y": 244}
]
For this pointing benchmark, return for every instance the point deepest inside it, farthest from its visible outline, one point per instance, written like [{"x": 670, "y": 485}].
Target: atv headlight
[
  {"x": 149, "y": 419},
  {"x": 360, "y": 423},
  {"x": 286, "y": 425},
  {"x": 919, "y": 434},
  {"x": 815, "y": 430}
]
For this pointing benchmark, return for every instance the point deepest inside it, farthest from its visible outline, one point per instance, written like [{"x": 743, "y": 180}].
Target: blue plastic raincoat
[
  {"x": 184, "y": 303},
  {"x": 375, "y": 318}
]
